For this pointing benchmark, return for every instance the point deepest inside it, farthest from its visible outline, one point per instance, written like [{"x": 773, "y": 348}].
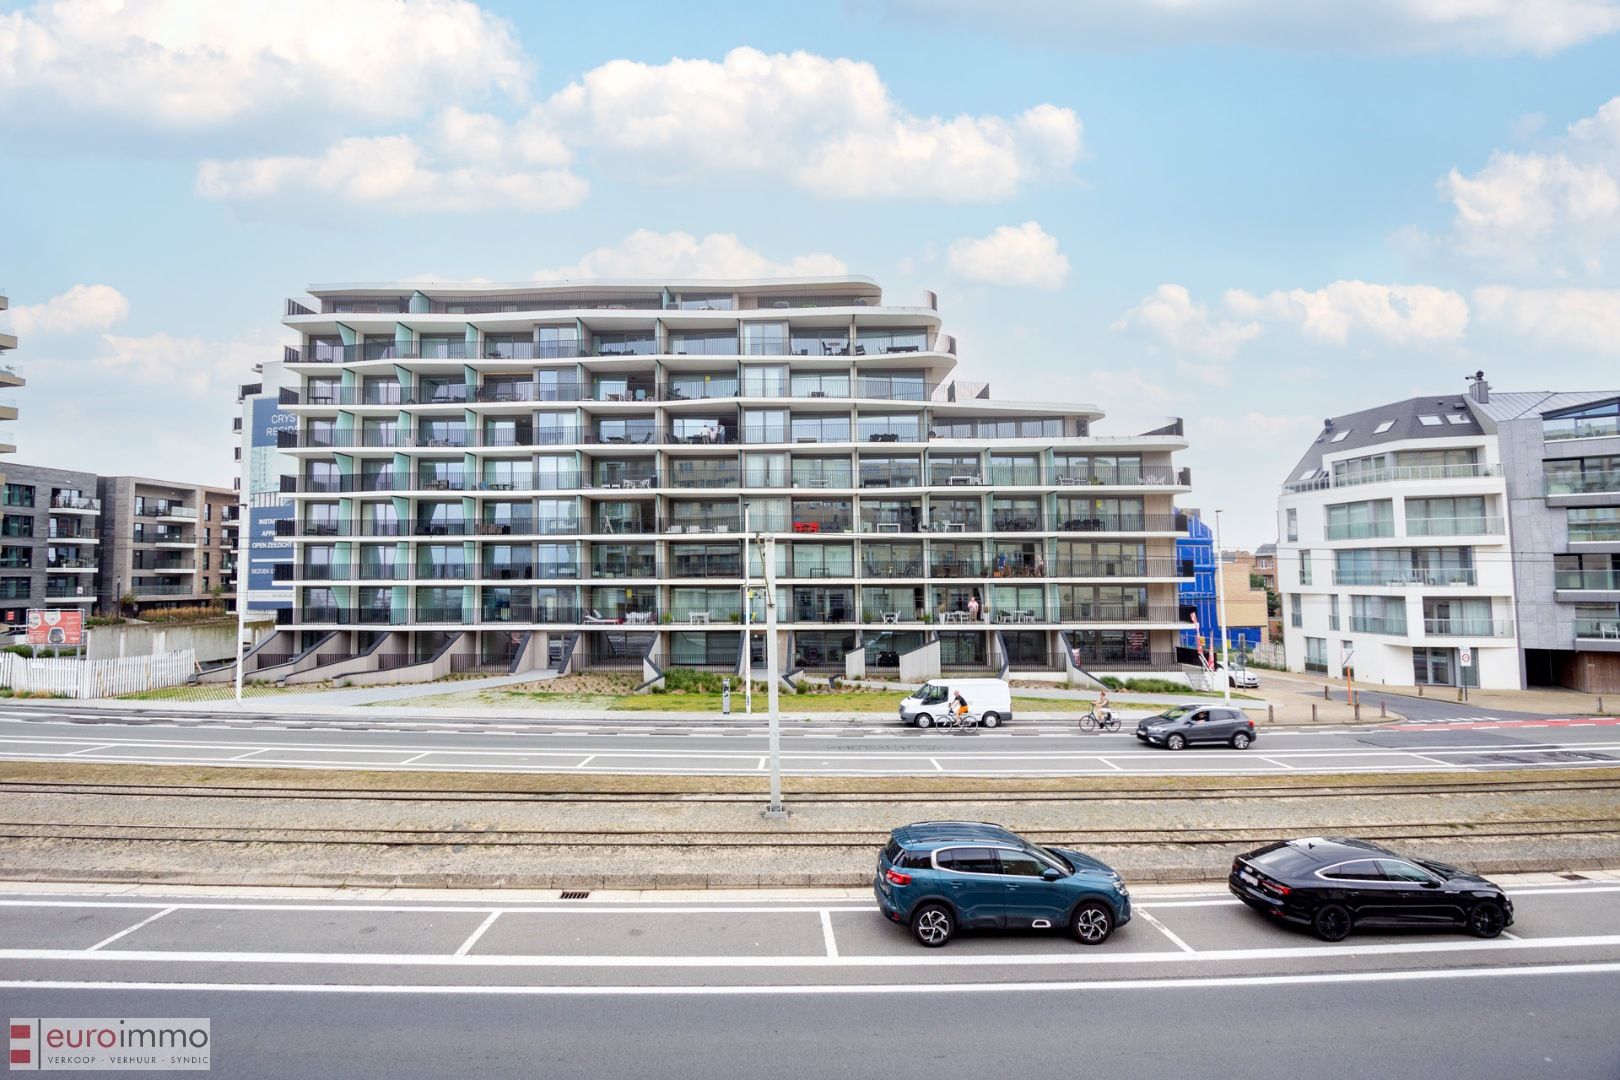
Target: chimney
[{"x": 1479, "y": 390}]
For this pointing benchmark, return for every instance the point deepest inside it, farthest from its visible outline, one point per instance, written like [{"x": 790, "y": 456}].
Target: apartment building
[
  {"x": 519, "y": 476},
  {"x": 1395, "y": 552},
  {"x": 1561, "y": 458},
  {"x": 10, "y": 379},
  {"x": 1484, "y": 523},
  {"x": 50, "y": 537},
  {"x": 165, "y": 544}
]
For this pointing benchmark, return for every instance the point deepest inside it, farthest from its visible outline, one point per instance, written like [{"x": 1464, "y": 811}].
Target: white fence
[{"x": 67, "y": 677}]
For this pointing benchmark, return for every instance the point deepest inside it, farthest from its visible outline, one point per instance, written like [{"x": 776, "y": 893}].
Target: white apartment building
[
  {"x": 1396, "y": 552},
  {"x": 523, "y": 476}
]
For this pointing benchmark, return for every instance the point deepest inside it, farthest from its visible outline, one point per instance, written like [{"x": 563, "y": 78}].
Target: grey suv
[{"x": 1182, "y": 725}]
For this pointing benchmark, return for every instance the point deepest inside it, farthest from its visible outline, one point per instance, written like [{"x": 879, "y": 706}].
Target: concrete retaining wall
[{"x": 210, "y": 641}]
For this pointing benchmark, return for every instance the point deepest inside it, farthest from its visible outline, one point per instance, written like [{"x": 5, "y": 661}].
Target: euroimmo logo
[{"x": 46, "y": 1044}]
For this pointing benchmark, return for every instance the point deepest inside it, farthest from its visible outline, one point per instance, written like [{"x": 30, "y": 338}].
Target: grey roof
[
  {"x": 1516, "y": 405},
  {"x": 1405, "y": 425}
]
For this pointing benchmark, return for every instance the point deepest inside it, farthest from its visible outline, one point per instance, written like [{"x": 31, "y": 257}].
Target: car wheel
[
  {"x": 1240, "y": 741},
  {"x": 1092, "y": 923},
  {"x": 924, "y": 720},
  {"x": 1176, "y": 742},
  {"x": 932, "y": 925},
  {"x": 1332, "y": 922},
  {"x": 1486, "y": 919},
  {"x": 991, "y": 719}
]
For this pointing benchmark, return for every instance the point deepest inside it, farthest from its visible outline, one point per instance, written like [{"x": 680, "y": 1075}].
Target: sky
[{"x": 1252, "y": 214}]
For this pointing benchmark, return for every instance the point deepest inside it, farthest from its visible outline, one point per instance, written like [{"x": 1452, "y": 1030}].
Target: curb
[{"x": 641, "y": 882}]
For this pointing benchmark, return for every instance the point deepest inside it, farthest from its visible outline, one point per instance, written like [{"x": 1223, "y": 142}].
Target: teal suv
[{"x": 938, "y": 877}]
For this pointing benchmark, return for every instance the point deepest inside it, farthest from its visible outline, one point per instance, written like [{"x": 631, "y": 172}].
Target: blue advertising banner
[{"x": 266, "y": 506}]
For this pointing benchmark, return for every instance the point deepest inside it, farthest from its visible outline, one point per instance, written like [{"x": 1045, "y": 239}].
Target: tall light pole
[
  {"x": 748, "y": 622},
  {"x": 242, "y": 544},
  {"x": 1220, "y": 603},
  {"x": 767, "y": 557}
]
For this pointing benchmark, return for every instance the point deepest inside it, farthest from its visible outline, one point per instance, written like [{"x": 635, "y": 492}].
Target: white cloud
[
  {"x": 1378, "y": 26},
  {"x": 825, "y": 125},
  {"x": 1012, "y": 255},
  {"x": 1170, "y": 315},
  {"x": 1396, "y": 313},
  {"x": 193, "y": 65},
  {"x": 645, "y": 253},
  {"x": 195, "y": 365},
  {"x": 1554, "y": 210},
  {"x": 1586, "y": 319},
  {"x": 83, "y": 307},
  {"x": 395, "y": 172}
]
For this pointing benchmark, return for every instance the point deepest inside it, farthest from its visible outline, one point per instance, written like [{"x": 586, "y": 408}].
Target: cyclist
[
  {"x": 1104, "y": 713},
  {"x": 959, "y": 706}
]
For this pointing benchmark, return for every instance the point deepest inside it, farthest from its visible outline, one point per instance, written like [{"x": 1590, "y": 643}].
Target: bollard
[
  {"x": 1600, "y": 705},
  {"x": 1271, "y": 713},
  {"x": 1324, "y": 693},
  {"x": 1358, "y": 710},
  {"x": 1420, "y": 689},
  {"x": 1313, "y": 712},
  {"x": 1383, "y": 710}
]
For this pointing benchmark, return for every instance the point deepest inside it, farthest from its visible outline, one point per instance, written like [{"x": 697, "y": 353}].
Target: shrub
[{"x": 1145, "y": 686}]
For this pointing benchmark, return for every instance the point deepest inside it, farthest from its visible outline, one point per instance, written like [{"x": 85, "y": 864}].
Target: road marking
[
  {"x": 827, "y": 933},
  {"x": 916, "y": 959},
  {"x": 1226, "y": 902},
  {"x": 1209, "y": 982},
  {"x": 1279, "y": 764},
  {"x": 1511, "y": 937},
  {"x": 416, "y": 758},
  {"x": 470, "y": 908},
  {"x": 1166, "y": 931},
  {"x": 472, "y": 938},
  {"x": 89, "y": 750},
  {"x": 586, "y": 761},
  {"x": 154, "y": 917},
  {"x": 935, "y": 763}
]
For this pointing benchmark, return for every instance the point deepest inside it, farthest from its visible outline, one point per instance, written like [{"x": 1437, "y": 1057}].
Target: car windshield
[
  {"x": 1176, "y": 712},
  {"x": 1053, "y": 857}
]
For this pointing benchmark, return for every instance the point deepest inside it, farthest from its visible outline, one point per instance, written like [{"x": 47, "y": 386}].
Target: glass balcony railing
[
  {"x": 1598, "y": 481},
  {"x": 1456, "y": 526},
  {"x": 1407, "y": 576},
  {"x": 1378, "y": 624},
  {"x": 1466, "y": 627},
  {"x": 1394, "y": 474},
  {"x": 1587, "y": 579},
  {"x": 1358, "y": 530},
  {"x": 1594, "y": 532},
  {"x": 1598, "y": 629}
]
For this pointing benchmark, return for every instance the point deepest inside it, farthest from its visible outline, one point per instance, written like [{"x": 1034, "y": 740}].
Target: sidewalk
[{"x": 1545, "y": 701}]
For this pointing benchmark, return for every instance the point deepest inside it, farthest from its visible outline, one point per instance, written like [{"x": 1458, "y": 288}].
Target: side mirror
[
  {"x": 1431, "y": 884},
  {"x": 1049, "y": 874}
]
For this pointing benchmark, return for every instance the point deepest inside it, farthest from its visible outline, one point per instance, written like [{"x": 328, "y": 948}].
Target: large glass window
[
  {"x": 823, "y": 560},
  {"x": 873, "y": 340},
  {"x": 895, "y": 427},
  {"x": 1590, "y": 422},
  {"x": 818, "y": 384},
  {"x": 1463, "y": 515},
  {"x": 1378, "y": 614},
  {"x": 704, "y": 343},
  {"x": 1360, "y": 520},
  {"x": 820, "y": 429}
]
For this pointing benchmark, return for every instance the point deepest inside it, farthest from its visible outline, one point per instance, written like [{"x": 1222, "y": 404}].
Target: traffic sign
[{"x": 1465, "y": 656}]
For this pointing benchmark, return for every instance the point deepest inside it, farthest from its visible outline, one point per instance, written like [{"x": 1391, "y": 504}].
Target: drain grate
[{"x": 575, "y": 894}]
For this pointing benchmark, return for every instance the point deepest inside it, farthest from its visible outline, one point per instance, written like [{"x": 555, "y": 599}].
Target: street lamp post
[
  {"x": 748, "y": 624},
  {"x": 1220, "y": 602},
  {"x": 767, "y": 557},
  {"x": 242, "y": 543}
]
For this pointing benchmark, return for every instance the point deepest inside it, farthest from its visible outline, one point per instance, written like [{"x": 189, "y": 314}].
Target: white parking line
[
  {"x": 827, "y": 934},
  {"x": 1083, "y": 958},
  {"x": 154, "y": 917},
  {"x": 472, "y": 938},
  {"x": 1166, "y": 931}
]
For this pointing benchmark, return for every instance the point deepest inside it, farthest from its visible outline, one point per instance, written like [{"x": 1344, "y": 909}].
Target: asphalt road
[
  {"x": 818, "y": 985},
  {"x": 1031, "y": 749}
]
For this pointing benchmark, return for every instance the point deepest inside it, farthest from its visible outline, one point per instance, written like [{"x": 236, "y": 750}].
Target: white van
[{"x": 988, "y": 699}]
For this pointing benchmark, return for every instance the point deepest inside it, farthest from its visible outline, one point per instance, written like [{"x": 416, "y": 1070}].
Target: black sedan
[{"x": 1334, "y": 884}]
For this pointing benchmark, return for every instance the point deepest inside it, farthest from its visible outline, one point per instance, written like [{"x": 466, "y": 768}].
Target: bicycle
[
  {"x": 960, "y": 722},
  {"x": 1107, "y": 722}
]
